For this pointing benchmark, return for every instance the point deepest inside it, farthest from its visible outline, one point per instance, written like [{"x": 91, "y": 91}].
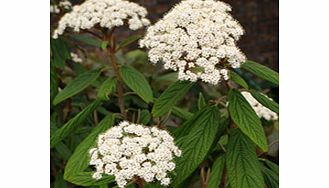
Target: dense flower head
[
  {"x": 106, "y": 13},
  {"x": 260, "y": 110},
  {"x": 131, "y": 150},
  {"x": 197, "y": 38}
]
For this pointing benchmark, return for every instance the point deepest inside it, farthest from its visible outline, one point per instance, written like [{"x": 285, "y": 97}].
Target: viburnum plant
[{"x": 177, "y": 104}]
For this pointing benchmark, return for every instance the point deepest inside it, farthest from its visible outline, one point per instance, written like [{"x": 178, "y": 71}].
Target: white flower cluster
[
  {"x": 197, "y": 38},
  {"x": 260, "y": 110},
  {"x": 66, "y": 5},
  {"x": 75, "y": 58},
  {"x": 106, "y": 13},
  {"x": 130, "y": 150}
]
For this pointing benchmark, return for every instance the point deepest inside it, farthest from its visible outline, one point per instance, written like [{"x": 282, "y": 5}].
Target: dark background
[{"x": 259, "y": 18}]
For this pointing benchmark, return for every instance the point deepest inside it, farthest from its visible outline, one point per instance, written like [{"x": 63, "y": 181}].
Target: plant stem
[
  {"x": 223, "y": 182},
  {"x": 203, "y": 178},
  {"x": 120, "y": 84},
  {"x": 140, "y": 183},
  {"x": 111, "y": 52}
]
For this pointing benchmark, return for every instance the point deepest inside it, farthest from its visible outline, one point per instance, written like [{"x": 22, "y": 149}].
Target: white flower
[
  {"x": 54, "y": 9},
  {"x": 65, "y": 4},
  {"x": 130, "y": 150},
  {"x": 260, "y": 110},
  {"x": 105, "y": 13},
  {"x": 75, "y": 58},
  {"x": 197, "y": 38}
]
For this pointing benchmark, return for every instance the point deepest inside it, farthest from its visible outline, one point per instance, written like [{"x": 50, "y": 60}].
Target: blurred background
[{"x": 259, "y": 18}]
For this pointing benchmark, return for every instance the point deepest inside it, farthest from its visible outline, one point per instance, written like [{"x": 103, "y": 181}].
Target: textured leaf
[
  {"x": 80, "y": 83},
  {"x": 85, "y": 179},
  {"x": 88, "y": 40},
  {"x": 184, "y": 114},
  {"x": 216, "y": 172},
  {"x": 108, "y": 87},
  {"x": 271, "y": 173},
  {"x": 170, "y": 97},
  {"x": 63, "y": 150},
  {"x": 237, "y": 79},
  {"x": 79, "y": 161},
  {"x": 261, "y": 71},
  {"x": 129, "y": 40},
  {"x": 246, "y": 119},
  {"x": 186, "y": 127},
  {"x": 243, "y": 168},
  {"x": 201, "y": 101},
  {"x": 103, "y": 186},
  {"x": 197, "y": 143},
  {"x": 73, "y": 123},
  {"x": 272, "y": 166},
  {"x": 137, "y": 82},
  {"x": 271, "y": 179},
  {"x": 145, "y": 117},
  {"x": 264, "y": 100}
]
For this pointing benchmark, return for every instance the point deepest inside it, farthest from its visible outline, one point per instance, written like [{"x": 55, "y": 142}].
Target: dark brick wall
[{"x": 260, "y": 19}]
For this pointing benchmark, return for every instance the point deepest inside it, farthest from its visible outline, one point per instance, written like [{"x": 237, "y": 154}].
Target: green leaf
[
  {"x": 104, "y": 45},
  {"x": 72, "y": 124},
  {"x": 85, "y": 179},
  {"x": 246, "y": 119},
  {"x": 53, "y": 83},
  {"x": 104, "y": 186},
  {"x": 129, "y": 185},
  {"x": 261, "y": 71},
  {"x": 169, "y": 77},
  {"x": 79, "y": 161},
  {"x": 136, "y": 56},
  {"x": 107, "y": 87},
  {"x": 59, "y": 181},
  {"x": 201, "y": 101},
  {"x": 243, "y": 168},
  {"x": 197, "y": 143},
  {"x": 63, "y": 150},
  {"x": 153, "y": 185},
  {"x": 181, "y": 113},
  {"x": 128, "y": 41},
  {"x": 137, "y": 82},
  {"x": 88, "y": 40},
  {"x": 271, "y": 179},
  {"x": 59, "y": 52},
  {"x": 238, "y": 79},
  {"x": 271, "y": 173},
  {"x": 170, "y": 97},
  {"x": 272, "y": 166},
  {"x": 80, "y": 83},
  {"x": 186, "y": 127},
  {"x": 216, "y": 172},
  {"x": 264, "y": 100},
  {"x": 145, "y": 117}
]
